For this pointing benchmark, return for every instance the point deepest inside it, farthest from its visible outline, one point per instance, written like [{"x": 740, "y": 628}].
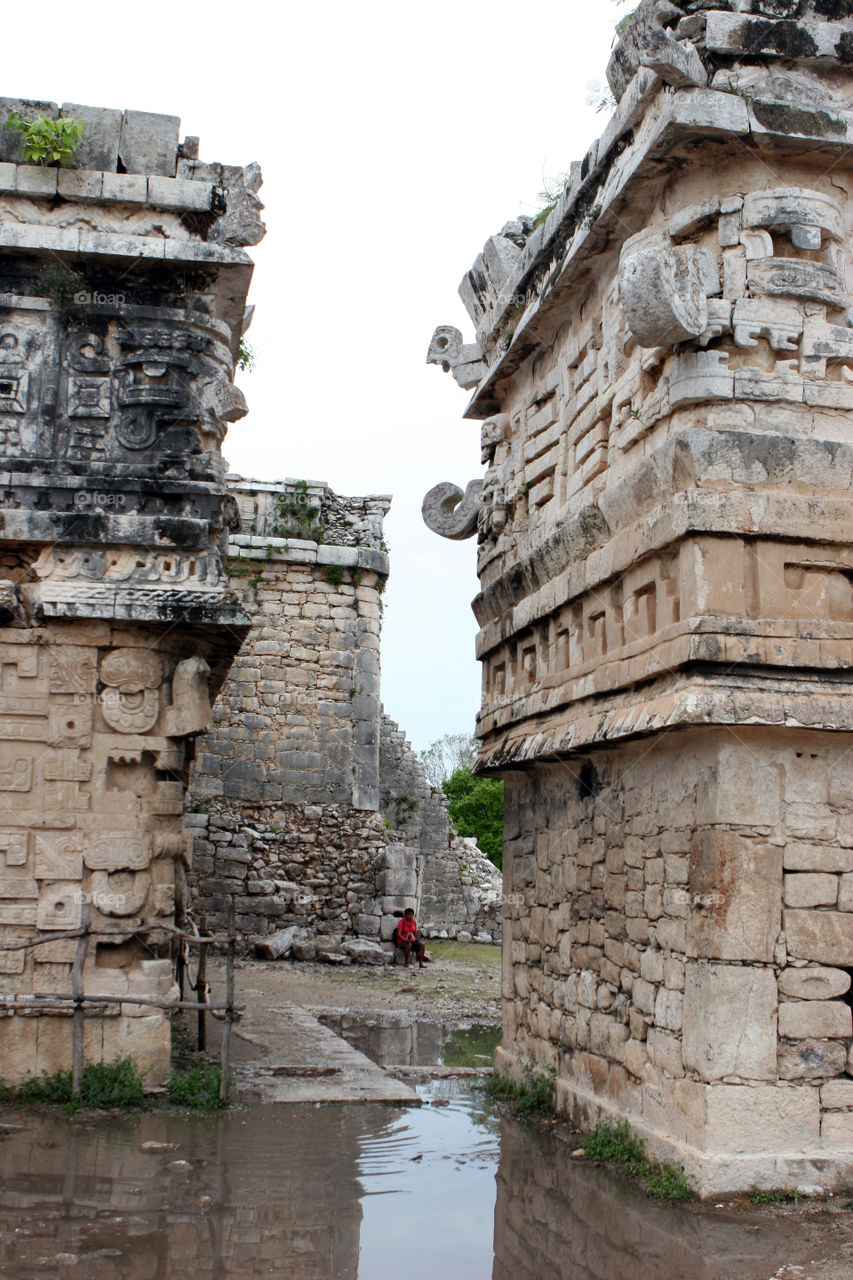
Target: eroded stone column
[
  {"x": 666, "y": 605},
  {"x": 122, "y": 292}
]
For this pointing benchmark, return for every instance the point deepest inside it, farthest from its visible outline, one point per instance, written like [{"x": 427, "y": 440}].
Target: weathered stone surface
[
  {"x": 827, "y": 1019},
  {"x": 737, "y": 888},
  {"x": 814, "y": 983},
  {"x": 761, "y": 1119},
  {"x": 811, "y": 1059},
  {"x": 730, "y": 1022},
  {"x": 812, "y": 889},
  {"x": 276, "y": 946},
  {"x": 823, "y": 936},
  {"x": 837, "y": 1094},
  {"x": 149, "y": 143},
  {"x": 99, "y": 144}
]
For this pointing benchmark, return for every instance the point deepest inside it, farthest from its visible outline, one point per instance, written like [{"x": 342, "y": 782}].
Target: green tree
[{"x": 476, "y": 808}]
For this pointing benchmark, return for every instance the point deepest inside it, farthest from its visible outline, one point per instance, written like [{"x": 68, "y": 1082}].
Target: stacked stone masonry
[
  {"x": 122, "y": 304},
  {"x": 663, "y": 372},
  {"x": 320, "y": 825},
  {"x": 460, "y": 888}
]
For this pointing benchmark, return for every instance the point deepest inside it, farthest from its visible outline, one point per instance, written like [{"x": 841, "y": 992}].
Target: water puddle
[
  {"x": 402, "y": 1040},
  {"x": 346, "y": 1193}
]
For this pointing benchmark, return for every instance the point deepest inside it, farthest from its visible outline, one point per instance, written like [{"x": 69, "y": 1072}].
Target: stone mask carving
[{"x": 130, "y": 701}]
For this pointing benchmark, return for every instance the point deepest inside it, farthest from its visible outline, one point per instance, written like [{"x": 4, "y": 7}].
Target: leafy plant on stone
[
  {"x": 245, "y": 357},
  {"x": 552, "y": 189},
  {"x": 299, "y": 514},
  {"x": 46, "y": 141},
  {"x": 534, "y": 1096}
]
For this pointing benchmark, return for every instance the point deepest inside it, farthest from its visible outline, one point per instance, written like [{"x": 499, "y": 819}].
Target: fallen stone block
[{"x": 275, "y": 946}]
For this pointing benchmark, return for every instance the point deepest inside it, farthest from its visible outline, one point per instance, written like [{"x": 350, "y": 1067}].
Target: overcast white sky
[{"x": 394, "y": 139}]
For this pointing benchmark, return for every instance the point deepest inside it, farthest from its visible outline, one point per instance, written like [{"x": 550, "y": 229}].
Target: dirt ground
[{"x": 462, "y": 981}]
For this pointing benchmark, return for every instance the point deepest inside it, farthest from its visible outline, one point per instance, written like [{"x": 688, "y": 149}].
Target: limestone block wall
[
  {"x": 662, "y": 371},
  {"x": 312, "y": 810},
  {"x": 122, "y": 297},
  {"x": 460, "y": 889},
  {"x": 679, "y": 942},
  {"x": 289, "y": 775},
  {"x": 298, "y": 719}
]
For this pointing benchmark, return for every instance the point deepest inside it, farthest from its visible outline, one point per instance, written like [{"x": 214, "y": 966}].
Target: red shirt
[{"x": 406, "y": 929}]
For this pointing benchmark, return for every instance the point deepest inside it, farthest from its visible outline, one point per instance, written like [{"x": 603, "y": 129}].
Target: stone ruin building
[
  {"x": 664, "y": 374},
  {"x": 123, "y": 284},
  {"x": 127, "y": 590},
  {"x": 313, "y": 820}
]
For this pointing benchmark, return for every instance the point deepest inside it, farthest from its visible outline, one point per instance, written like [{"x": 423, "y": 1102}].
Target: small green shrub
[
  {"x": 615, "y": 1144},
  {"x": 501, "y": 1088},
  {"x": 103, "y": 1084},
  {"x": 245, "y": 357},
  {"x": 46, "y": 1088},
  {"x": 47, "y": 141},
  {"x": 299, "y": 514},
  {"x": 671, "y": 1183},
  {"x": 334, "y": 574},
  {"x": 534, "y": 1096},
  {"x": 196, "y": 1087}
]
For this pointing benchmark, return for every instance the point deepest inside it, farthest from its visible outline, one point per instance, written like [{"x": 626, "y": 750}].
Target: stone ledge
[{"x": 100, "y": 186}]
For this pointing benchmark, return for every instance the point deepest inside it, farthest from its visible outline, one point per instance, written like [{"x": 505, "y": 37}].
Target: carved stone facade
[
  {"x": 315, "y": 814},
  {"x": 666, "y": 606},
  {"x": 120, "y": 319}
]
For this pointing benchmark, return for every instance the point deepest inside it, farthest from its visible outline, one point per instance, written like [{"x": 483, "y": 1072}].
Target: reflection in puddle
[
  {"x": 343, "y": 1193},
  {"x": 399, "y": 1040}
]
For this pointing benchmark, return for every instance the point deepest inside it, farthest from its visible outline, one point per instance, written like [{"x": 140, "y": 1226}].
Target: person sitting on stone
[{"x": 406, "y": 937}]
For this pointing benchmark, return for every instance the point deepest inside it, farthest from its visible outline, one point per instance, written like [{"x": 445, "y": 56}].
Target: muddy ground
[{"x": 462, "y": 981}]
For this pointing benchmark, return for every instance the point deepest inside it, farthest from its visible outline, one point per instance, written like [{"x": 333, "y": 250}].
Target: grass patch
[
  {"x": 196, "y": 1087},
  {"x": 533, "y": 1097},
  {"x": 103, "y": 1085},
  {"x": 616, "y": 1144},
  {"x": 479, "y": 955},
  {"x": 766, "y": 1199}
]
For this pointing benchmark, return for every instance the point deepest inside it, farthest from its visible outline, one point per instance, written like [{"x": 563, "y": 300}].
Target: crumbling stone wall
[
  {"x": 460, "y": 889},
  {"x": 312, "y": 868},
  {"x": 299, "y": 786},
  {"x": 122, "y": 295},
  {"x": 663, "y": 373}
]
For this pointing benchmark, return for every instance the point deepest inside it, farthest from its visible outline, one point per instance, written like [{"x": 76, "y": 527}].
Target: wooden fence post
[
  {"x": 78, "y": 1025},
  {"x": 229, "y": 1012},
  {"x": 200, "y": 989}
]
